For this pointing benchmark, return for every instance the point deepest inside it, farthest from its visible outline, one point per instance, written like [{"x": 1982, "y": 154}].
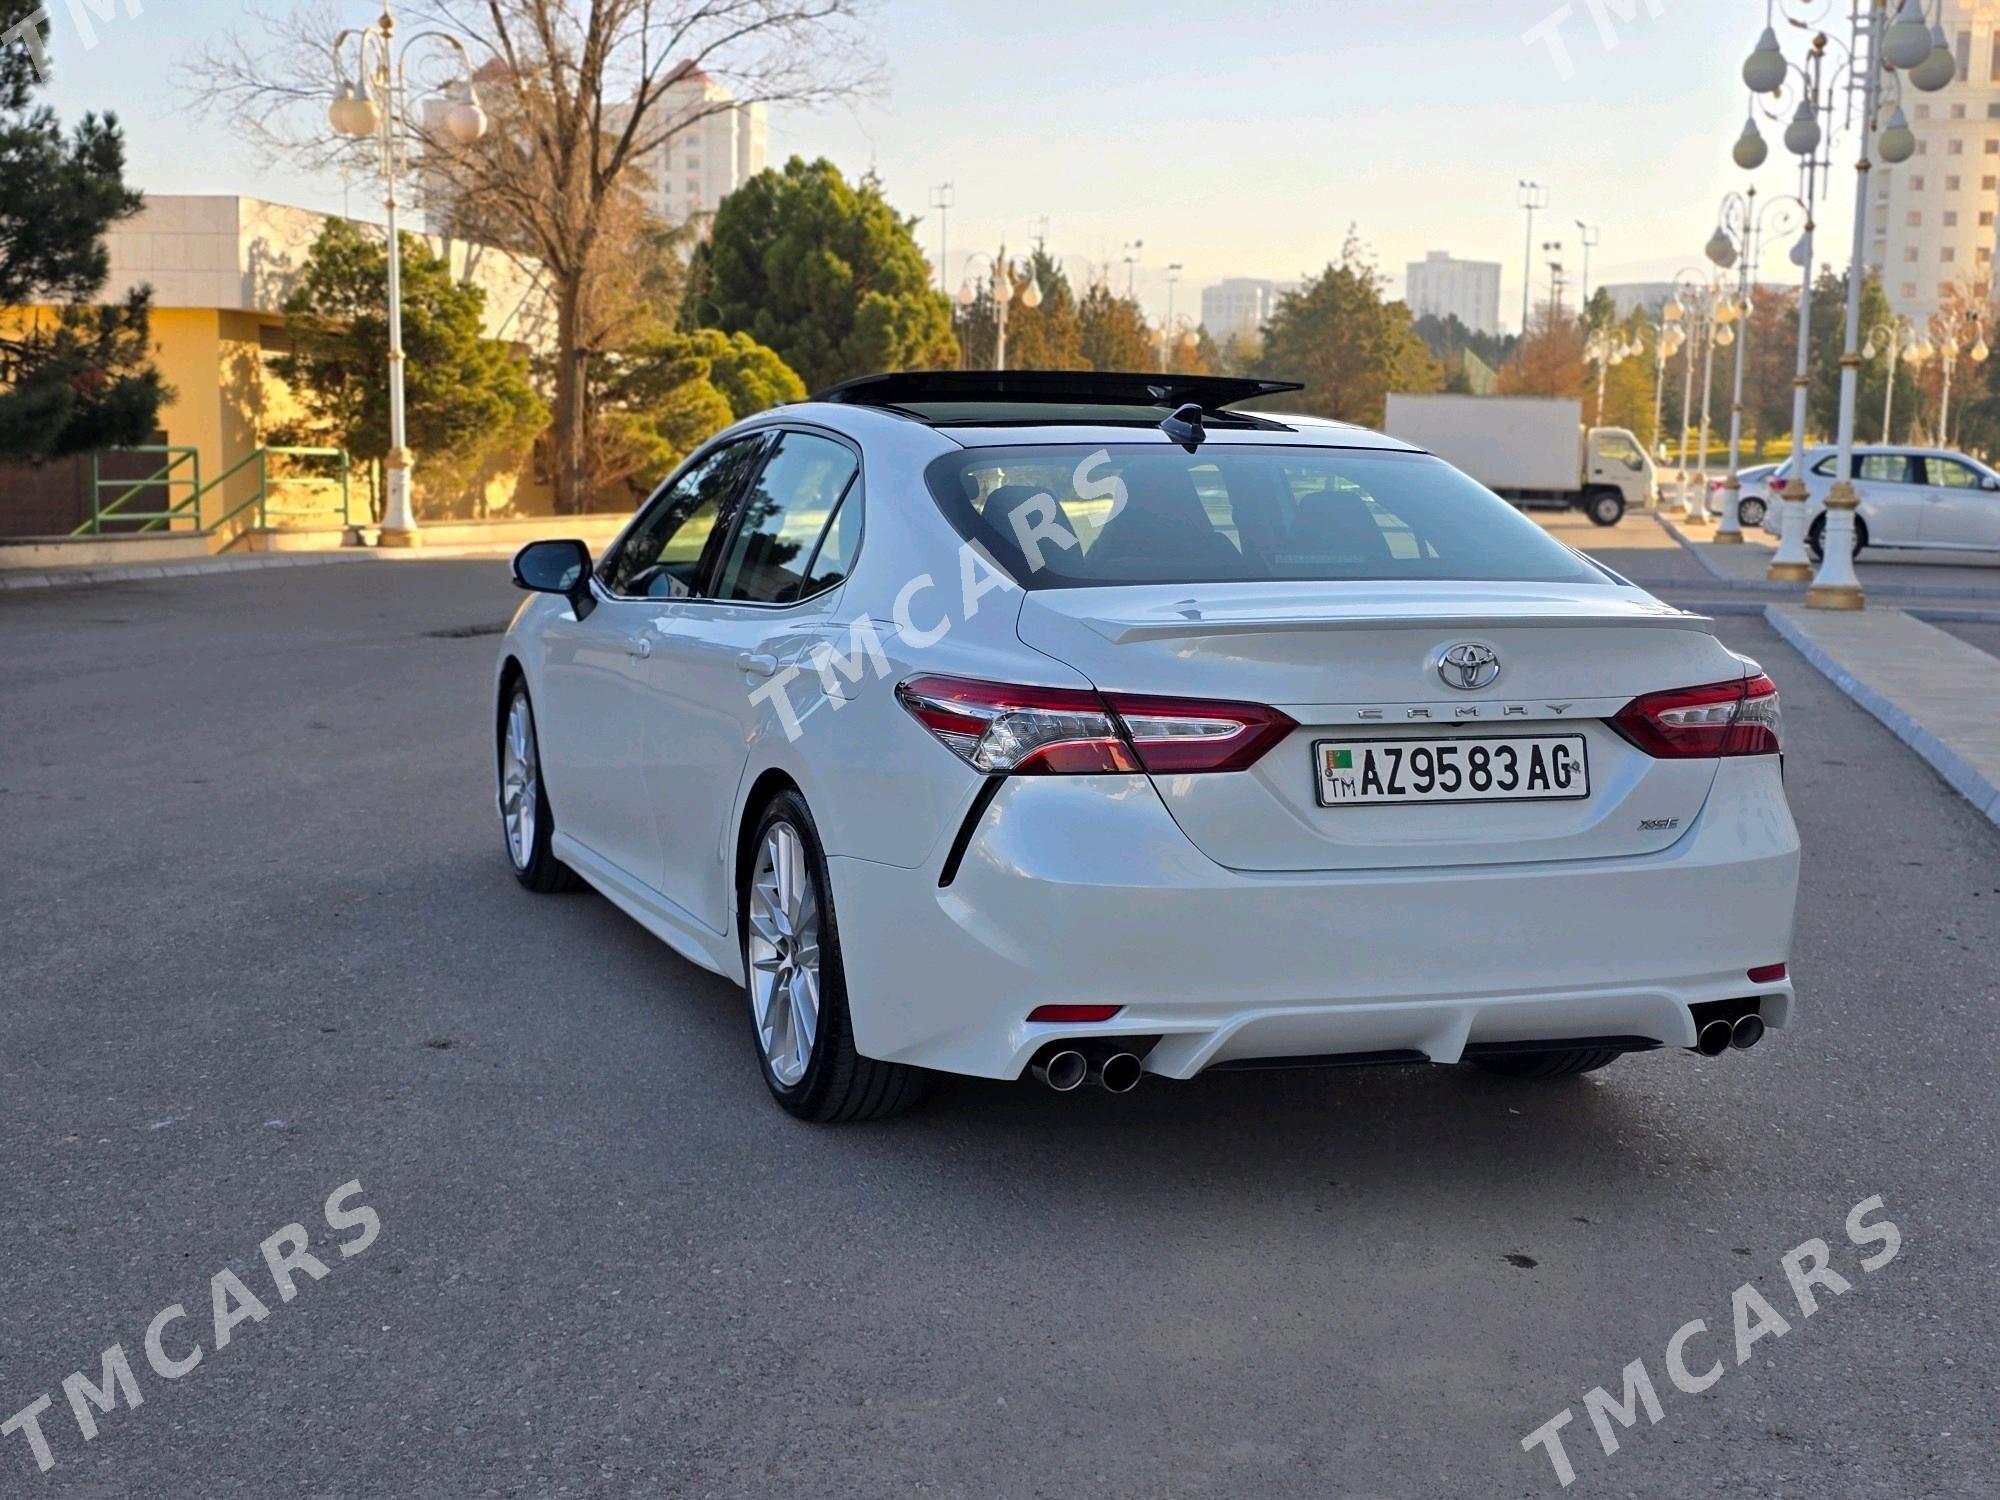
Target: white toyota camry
[{"x": 1088, "y": 726}]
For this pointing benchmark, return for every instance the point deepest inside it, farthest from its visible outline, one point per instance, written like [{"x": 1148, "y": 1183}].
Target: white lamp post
[
  {"x": 1004, "y": 292},
  {"x": 1953, "y": 336},
  {"x": 1893, "y": 337},
  {"x": 1743, "y": 222},
  {"x": 355, "y": 113},
  {"x": 1881, "y": 45}
]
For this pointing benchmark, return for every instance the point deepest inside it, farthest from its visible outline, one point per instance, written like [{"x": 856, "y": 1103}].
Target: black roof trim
[{"x": 1212, "y": 393}]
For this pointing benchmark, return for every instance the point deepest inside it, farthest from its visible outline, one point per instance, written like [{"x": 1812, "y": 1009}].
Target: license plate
[{"x": 1474, "y": 768}]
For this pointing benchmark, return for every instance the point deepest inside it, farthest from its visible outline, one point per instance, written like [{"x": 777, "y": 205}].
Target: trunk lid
[{"x": 1359, "y": 662}]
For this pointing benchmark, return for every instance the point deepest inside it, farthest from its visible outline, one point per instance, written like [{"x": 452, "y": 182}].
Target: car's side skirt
[{"x": 671, "y": 924}]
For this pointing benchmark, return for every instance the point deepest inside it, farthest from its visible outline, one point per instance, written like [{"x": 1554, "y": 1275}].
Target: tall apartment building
[
  {"x": 1238, "y": 307},
  {"x": 721, "y": 149},
  {"x": 1468, "y": 290},
  {"x": 1931, "y": 219},
  {"x": 721, "y": 146}
]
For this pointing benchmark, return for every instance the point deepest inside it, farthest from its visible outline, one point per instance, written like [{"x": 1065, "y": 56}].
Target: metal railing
[
  {"x": 164, "y": 479},
  {"x": 269, "y": 486}
]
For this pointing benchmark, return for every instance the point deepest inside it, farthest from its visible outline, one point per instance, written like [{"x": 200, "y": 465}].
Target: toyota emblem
[{"x": 1469, "y": 666}]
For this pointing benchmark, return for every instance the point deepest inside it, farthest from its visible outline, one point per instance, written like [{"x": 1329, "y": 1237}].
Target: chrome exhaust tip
[
  {"x": 1120, "y": 1073},
  {"x": 1715, "y": 1038},
  {"x": 1747, "y": 1033},
  {"x": 1063, "y": 1070}
]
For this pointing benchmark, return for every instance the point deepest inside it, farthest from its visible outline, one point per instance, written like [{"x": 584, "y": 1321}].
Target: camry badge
[{"x": 1469, "y": 666}]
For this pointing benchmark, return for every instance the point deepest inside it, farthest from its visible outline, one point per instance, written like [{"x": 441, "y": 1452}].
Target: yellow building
[{"x": 220, "y": 269}]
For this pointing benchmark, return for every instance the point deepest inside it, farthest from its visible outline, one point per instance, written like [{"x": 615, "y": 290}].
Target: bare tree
[{"x": 582, "y": 98}]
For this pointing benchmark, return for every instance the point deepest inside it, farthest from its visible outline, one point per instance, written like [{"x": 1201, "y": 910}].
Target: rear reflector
[
  {"x": 1073, "y": 1015},
  {"x": 1699, "y": 723},
  {"x": 1003, "y": 727},
  {"x": 1767, "y": 973}
]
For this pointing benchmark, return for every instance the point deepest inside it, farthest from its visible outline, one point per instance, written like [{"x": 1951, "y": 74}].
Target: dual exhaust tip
[
  {"x": 1717, "y": 1037},
  {"x": 1066, "y": 1069}
]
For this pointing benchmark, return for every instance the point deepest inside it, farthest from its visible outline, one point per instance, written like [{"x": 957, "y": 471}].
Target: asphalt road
[{"x": 259, "y": 941}]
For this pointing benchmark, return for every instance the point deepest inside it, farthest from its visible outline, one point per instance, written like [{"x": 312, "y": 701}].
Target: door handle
[
  {"x": 639, "y": 646},
  {"x": 758, "y": 663}
]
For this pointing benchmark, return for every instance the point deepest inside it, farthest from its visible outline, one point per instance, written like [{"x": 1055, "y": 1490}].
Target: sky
[{"x": 1238, "y": 139}]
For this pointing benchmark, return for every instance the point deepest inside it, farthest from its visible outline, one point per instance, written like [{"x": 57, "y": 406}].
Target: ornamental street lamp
[
  {"x": 356, "y": 112},
  {"x": 1896, "y": 337},
  {"x": 1879, "y": 48},
  {"x": 1692, "y": 306},
  {"x": 1743, "y": 223},
  {"x": 1003, "y": 291},
  {"x": 1957, "y": 329}
]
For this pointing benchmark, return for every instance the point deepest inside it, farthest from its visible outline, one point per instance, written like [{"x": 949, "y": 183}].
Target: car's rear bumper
[{"x": 1083, "y": 890}]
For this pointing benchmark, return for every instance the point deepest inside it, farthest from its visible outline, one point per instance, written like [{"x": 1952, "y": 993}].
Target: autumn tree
[
  {"x": 1346, "y": 342},
  {"x": 583, "y": 100},
  {"x": 1548, "y": 359},
  {"x": 1115, "y": 334}
]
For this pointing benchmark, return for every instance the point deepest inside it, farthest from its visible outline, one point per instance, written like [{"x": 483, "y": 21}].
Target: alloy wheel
[
  {"x": 520, "y": 782},
  {"x": 784, "y": 954}
]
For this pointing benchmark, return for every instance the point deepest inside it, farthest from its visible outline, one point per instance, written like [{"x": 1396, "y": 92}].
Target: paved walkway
[
  {"x": 1936, "y": 693},
  {"x": 1883, "y": 575}
]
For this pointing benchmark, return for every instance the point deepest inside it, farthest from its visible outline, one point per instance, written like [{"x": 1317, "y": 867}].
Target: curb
[
  {"x": 137, "y": 572},
  {"x": 1969, "y": 783}
]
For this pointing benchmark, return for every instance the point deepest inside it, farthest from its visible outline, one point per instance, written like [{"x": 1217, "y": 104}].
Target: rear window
[{"x": 1074, "y": 517}]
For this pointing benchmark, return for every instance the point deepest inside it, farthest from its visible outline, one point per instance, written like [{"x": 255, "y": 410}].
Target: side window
[
  {"x": 1616, "y": 448},
  {"x": 1885, "y": 468},
  {"x": 1825, "y": 465},
  {"x": 1950, "y": 474},
  {"x": 662, "y": 555},
  {"x": 784, "y": 516}
]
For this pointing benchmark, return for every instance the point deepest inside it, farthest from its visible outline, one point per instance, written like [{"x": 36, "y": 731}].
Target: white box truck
[{"x": 1532, "y": 450}]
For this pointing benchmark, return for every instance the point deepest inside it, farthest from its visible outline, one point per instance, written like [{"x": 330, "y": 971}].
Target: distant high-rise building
[
  {"x": 1238, "y": 307},
  {"x": 716, "y": 146},
  {"x": 1442, "y": 287},
  {"x": 720, "y": 148},
  {"x": 1931, "y": 219}
]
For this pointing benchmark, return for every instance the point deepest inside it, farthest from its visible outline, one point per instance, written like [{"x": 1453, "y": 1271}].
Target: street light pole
[
  {"x": 1696, "y": 510},
  {"x": 943, "y": 196},
  {"x": 354, "y": 113},
  {"x": 1591, "y": 234},
  {"x": 1533, "y": 196},
  {"x": 1835, "y": 585}
]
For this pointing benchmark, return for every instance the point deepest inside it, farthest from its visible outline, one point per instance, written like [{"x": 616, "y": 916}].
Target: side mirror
[
  {"x": 1988, "y": 482},
  {"x": 556, "y": 567}
]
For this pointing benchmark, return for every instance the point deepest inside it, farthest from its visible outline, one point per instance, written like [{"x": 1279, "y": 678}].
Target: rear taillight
[
  {"x": 1722, "y": 718},
  {"x": 1070, "y": 731},
  {"x": 1777, "y": 486},
  {"x": 1185, "y": 734}
]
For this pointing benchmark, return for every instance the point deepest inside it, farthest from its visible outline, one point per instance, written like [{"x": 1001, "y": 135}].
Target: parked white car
[
  {"x": 1083, "y": 726},
  {"x": 1919, "y": 499}
]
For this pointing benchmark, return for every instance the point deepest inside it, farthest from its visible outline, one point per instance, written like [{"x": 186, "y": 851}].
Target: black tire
[
  {"x": 1548, "y": 1064},
  {"x": 838, "y": 1083},
  {"x": 1750, "y": 512},
  {"x": 541, "y": 872},
  {"x": 1605, "y": 507},
  {"x": 1816, "y": 537}
]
